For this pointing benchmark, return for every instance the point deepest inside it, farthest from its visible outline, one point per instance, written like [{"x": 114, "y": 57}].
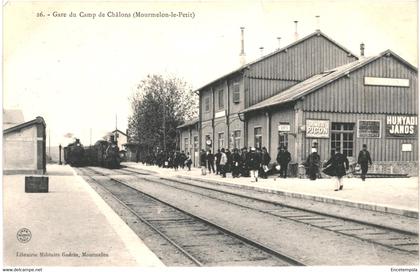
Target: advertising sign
[
  {"x": 317, "y": 128},
  {"x": 401, "y": 126},
  {"x": 369, "y": 129}
]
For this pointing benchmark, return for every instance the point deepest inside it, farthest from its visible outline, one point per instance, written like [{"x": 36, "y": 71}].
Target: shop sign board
[
  {"x": 369, "y": 129},
  {"x": 317, "y": 128},
  {"x": 284, "y": 127},
  {"x": 401, "y": 126},
  {"x": 407, "y": 147}
]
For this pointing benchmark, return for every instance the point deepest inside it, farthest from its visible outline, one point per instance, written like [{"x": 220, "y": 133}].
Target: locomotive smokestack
[
  {"x": 242, "y": 60},
  {"x": 296, "y": 30}
]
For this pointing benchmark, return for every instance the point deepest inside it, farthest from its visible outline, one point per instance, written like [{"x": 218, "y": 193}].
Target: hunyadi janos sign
[{"x": 401, "y": 126}]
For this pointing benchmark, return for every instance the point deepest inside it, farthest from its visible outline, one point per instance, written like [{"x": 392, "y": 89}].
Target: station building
[
  {"x": 370, "y": 101},
  {"x": 24, "y": 145},
  {"x": 316, "y": 92}
]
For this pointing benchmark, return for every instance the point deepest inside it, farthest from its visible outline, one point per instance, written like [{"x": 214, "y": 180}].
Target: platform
[
  {"x": 389, "y": 195},
  {"x": 70, "y": 226}
]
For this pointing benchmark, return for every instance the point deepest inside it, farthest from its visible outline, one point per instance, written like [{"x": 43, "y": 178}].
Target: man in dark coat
[
  {"x": 236, "y": 163},
  {"x": 244, "y": 163},
  {"x": 338, "y": 164},
  {"x": 203, "y": 161},
  {"x": 313, "y": 162},
  {"x": 364, "y": 159},
  {"x": 210, "y": 161},
  {"x": 218, "y": 156},
  {"x": 254, "y": 163},
  {"x": 265, "y": 161},
  {"x": 228, "y": 166},
  {"x": 182, "y": 158},
  {"x": 283, "y": 159}
]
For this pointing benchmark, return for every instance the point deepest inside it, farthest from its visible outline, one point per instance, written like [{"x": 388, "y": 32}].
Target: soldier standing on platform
[
  {"x": 244, "y": 163},
  {"x": 218, "y": 156},
  {"x": 364, "y": 159},
  {"x": 236, "y": 163},
  {"x": 283, "y": 159},
  {"x": 254, "y": 163},
  {"x": 210, "y": 161},
  {"x": 265, "y": 160},
  {"x": 312, "y": 164},
  {"x": 203, "y": 161}
]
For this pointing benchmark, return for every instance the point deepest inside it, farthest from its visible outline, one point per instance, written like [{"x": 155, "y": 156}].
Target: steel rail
[
  {"x": 291, "y": 207},
  {"x": 145, "y": 221},
  {"x": 285, "y": 205},
  {"x": 225, "y": 230}
]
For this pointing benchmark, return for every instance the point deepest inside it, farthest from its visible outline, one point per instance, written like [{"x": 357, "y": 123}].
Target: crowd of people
[{"x": 256, "y": 163}]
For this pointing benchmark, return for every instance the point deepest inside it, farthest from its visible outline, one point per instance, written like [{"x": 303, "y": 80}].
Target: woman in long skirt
[{"x": 337, "y": 166}]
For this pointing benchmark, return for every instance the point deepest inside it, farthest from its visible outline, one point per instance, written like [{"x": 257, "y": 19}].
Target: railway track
[
  {"x": 391, "y": 238},
  {"x": 202, "y": 242}
]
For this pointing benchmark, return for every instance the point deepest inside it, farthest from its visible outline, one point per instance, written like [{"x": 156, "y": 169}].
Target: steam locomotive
[{"x": 103, "y": 153}]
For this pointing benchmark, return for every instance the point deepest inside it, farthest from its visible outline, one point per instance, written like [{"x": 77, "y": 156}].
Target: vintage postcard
[{"x": 156, "y": 134}]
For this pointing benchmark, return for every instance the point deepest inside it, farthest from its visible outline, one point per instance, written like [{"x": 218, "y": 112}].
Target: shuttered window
[
  {"x": 220, "y": 99},
  {"x": 236, "y": 95}
]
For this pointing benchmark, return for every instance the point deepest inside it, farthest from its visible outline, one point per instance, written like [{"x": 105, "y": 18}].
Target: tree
[{"x": 159, "y": 105}]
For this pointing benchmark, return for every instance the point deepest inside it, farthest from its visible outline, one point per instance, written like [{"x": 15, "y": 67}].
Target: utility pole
[{"x": 90, "y": 136}]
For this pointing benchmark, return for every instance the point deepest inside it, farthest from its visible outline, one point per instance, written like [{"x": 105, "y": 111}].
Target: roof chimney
[
  {"x": 362, "y": 49},
  {"x": 242, "y": 54},
  {"x": 262, "y": 50},
  {"x": 279, "y": 40},
  {"x": 296, "y": 31},
  {"x": 318, "y": 22}
]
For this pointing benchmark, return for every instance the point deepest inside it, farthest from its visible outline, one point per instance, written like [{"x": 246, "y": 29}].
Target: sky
[{"x": 79, "y": 72}]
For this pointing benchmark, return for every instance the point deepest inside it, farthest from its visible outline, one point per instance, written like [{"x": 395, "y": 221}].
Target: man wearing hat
[
  {"x": 254, "y": 161},
  {"x": 283, "y": 159},
  {"x": 363, "y": 160}
]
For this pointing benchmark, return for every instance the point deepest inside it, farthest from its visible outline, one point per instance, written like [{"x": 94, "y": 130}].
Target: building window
[
  {"x": 342, "y": 135},
  {"x": 220, "y": 99},
  {"x": 207, "y": 104},
  {"x": 221, "y": 140},
  {"x": 195, "y": 143},
  {"x": 186, "y": 141},
  {"x": 237, "y": 139},
  {"x": 283, "y": 139},
  {"x": 236, "y": 95},
  {"x": 258, "y": 137}
]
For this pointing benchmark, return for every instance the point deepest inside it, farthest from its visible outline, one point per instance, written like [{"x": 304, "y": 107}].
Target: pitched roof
[
  {"x": 317, "y": 81},
  {"x": 243, "y": 67},
  {"x": 38, "y": 120},
  {"x": 119, "y": 131},
  {"x": 189, "y": 123}
]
